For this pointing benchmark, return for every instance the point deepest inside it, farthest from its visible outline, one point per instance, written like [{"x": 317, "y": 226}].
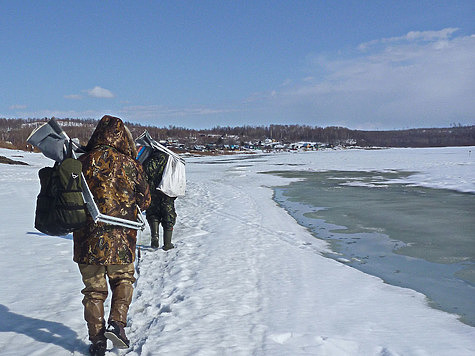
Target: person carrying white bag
[{"x": 165, "y": 172}]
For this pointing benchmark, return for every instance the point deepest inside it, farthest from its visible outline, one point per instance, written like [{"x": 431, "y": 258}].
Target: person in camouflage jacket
[
  {"x": 118, "y": 184},
  {"x": 162, "y": 209}
]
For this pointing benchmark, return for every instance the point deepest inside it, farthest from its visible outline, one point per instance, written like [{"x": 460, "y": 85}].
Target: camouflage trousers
[
  {"x": 121, "y": 280},
  {"x": 162, "y": 209}
]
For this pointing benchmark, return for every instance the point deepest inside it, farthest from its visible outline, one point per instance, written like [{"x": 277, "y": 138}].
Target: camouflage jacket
[{"x": 118, "y": 184}]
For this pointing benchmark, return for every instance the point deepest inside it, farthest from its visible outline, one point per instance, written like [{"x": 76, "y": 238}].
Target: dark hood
[{"x": 111, "y": 131}]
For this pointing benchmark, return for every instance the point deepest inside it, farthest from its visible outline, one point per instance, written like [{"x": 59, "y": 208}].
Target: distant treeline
[
  {"x": 434, "y": 137},
  {"x": 430, "y": 137},
  {"x": 14, "y": 132}
]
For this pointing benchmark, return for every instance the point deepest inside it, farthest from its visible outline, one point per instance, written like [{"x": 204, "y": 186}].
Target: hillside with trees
[{"x": 14, "y": 133}]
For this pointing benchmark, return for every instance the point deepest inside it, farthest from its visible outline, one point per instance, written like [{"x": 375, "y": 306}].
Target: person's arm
[{"x": 142, "y": 190}]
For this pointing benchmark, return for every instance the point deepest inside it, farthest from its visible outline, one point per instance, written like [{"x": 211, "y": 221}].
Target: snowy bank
[{"x": 245, "y": 278}]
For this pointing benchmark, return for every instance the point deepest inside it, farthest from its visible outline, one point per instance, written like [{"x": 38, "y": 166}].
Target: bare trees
[{"x": 14, "y": 132}]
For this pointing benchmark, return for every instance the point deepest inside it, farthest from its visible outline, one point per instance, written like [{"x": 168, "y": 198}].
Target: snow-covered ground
[{"x": 244, "y": 279}]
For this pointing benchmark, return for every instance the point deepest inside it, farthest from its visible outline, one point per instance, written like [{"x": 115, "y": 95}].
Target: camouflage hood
[{"x": 111, "y": 131}]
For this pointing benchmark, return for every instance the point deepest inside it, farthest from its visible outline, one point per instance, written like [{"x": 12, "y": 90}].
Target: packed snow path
[{"x": 244, "y": 279}]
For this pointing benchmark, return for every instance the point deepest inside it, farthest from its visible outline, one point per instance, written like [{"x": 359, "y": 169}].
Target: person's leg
[
  {"x": 121, "y": 280},
  {"x": 153, "y": 219},
  {"x": 167, "y": 239},
  {"x": 95, "y": 293},
  {"x": 168, "y": 221},
  {"x": 154, "y": 224}
]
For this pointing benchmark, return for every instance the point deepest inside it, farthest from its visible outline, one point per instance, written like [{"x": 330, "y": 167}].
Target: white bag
[{"x": 173, "y": 181}]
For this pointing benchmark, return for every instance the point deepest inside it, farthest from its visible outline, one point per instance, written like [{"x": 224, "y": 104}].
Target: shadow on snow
[{"x": 45, "y": 331}]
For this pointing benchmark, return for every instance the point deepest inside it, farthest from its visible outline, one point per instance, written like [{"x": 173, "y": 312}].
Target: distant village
[
  {"x": 196, "y": 142},
  {"x": 266, "y": 145},
  {"x": 273, "y": 138}
]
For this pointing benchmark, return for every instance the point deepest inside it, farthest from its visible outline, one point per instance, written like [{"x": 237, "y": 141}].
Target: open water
[{"x": 414, "y": 237}]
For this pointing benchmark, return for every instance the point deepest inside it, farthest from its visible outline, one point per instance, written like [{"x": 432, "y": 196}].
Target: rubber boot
[
  {"x": 116, "y": 333},
  {"x": 98, "y": 348},
  {"x": 122, "y": 292},
  {"x": 154, "y": 229},
  {"x": 167, "y": 240},
  {"x": 94, "y": 315}
]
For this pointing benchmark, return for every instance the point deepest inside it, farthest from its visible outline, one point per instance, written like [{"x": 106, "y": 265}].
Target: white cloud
[
  {"x": 429, "y": 35},
  {"x": 413, "y": 36},
  {"x": 403, "y": 82},
  {"x": 98, "y": 92}
]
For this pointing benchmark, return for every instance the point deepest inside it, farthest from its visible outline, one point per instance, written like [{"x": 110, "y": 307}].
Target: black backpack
[{"x": 60, "y": 207}]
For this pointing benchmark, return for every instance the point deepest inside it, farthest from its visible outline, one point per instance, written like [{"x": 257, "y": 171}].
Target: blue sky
[{"x": 200, "y": 64}]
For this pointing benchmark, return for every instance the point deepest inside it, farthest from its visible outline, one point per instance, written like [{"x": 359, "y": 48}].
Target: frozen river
[{"x": 410, "y": 236}]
